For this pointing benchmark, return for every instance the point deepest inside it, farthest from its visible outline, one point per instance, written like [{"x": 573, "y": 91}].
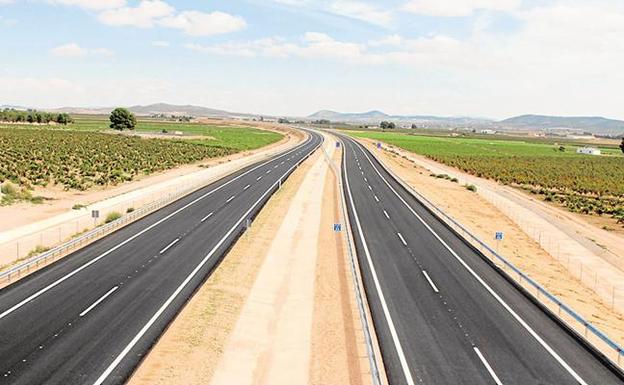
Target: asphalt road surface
[
  {"x": 441, "y": 313},
  {"x": 90, "y": 317}
]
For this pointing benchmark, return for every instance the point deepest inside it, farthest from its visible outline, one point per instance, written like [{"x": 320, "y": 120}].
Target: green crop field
[
  {"x": 81, "y": 156},
  {"x": 238, "y": 138},
  {"x": 583, "y": 183}
]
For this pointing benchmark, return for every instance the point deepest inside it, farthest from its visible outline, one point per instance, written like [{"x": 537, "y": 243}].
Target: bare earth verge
[
  {"x": 189, "y": 351},
  {"x": 484, "y": 219}
]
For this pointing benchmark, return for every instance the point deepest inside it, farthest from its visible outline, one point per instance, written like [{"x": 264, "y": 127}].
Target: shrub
[
  {"x": 37, "y": 250},
  {"x": 112, "y": 216},
  {"x": 78, "y": 206},
  {"x": 471, "y": 187},
  {"x": 129, "y": 210}
]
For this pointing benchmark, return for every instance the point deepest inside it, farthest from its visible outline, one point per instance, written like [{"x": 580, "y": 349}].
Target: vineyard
[
  {"x": 581, "y": 183},
  {"x": 83, "y": 159}
]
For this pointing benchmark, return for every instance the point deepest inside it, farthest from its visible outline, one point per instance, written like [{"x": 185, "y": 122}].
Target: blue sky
[{"x": 490, "y": 58}]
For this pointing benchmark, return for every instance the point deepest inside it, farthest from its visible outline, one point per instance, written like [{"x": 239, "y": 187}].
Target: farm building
[{"x": 588, "y": 151}]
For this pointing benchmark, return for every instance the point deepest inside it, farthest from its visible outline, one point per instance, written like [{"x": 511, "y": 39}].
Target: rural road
[
  {"x": 442, "y": 314},
  {"x": 92, "y": 316}
]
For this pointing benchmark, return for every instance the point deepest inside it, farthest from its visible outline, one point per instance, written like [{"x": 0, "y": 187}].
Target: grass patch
[
  {"x": 37, "y": 250},
  {"x": 112, "y": 216}
]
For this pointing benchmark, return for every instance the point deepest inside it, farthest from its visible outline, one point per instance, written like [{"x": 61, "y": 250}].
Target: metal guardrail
[
  {"x": 94, "y": 234},
  {"x": 101, "y": 230},
  {"x": 376, "y": 377},
  {"x": 561, "y": 306}
]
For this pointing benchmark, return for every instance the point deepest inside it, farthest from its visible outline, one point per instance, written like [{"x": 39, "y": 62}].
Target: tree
[
  {"x": 64, "y": 118},
  {"x": 622, "y": 145},
  {"x": 383, "y": 125},
  {"x": 122, "y": 119},
  {"x": 414, "y": 126}
]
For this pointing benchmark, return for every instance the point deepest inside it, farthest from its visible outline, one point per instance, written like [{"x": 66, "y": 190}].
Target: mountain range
[
  {"x": 375, "y": 117},
  {"x": 590, "y": 124},
  {"x": 593, "y": 124}
]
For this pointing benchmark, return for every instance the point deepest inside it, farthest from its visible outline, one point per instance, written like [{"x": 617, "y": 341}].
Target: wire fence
[{"x": 584, "y": 329}]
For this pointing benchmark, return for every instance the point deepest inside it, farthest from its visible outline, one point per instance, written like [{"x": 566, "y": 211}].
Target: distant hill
[
  {"x": 156, "y": 109},
  {"x": 374, "y": 117},
  {"x": 593, "y": 124}
]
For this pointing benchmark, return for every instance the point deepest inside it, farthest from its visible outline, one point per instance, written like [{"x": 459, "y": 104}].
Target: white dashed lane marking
[{"x": 169, "y": 245}]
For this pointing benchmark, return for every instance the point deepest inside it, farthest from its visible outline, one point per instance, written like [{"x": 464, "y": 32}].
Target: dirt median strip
[
  {"x": 188, "y": 352},
  {"x": 338, "y": 353}
]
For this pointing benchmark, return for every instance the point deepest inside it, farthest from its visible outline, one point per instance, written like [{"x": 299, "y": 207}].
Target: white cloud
[
  {"x": 6, "y": 2},
  {"x": 362, "y": 11},
  {"x": 160, "y": 43},
  {"x": 74, "y": 50},
  {"x": 458, "y": 8},
  {"x": 196, "y": 23},
  {"x": 313, "y": 45},
  {"x": 92, "y": 5},
  {"x": 143, "y": 16}
]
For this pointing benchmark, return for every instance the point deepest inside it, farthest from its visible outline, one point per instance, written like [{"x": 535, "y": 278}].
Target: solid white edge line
[
  {"x": 395, "y": 338},
  {"x": 230, "y": 199},
  {"x": 102, "y": 298},
  {"x": 386, "y": 214},
  {"x": 402, "y": 239},
  {"x": 94, "y": 260},
  {"x": 521, "y": 321},
  {"x": 166, "y": 304},
  {"x": 169, "y": 246},
  {"x": 433, "y": 286},
  {"x": 487, "y": 366},
  {"x": 206, "y": 217}
]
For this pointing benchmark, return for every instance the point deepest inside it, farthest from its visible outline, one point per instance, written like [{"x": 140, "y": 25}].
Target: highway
[
  {"x": 442, "y": 314},
  {"x": 92, "y": 316}
]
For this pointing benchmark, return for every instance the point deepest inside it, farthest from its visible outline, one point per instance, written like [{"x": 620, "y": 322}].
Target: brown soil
[{"x": 189, "y": 351}]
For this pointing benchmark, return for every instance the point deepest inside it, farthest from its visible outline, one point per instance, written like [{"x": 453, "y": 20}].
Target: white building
[{"x": 588, "y": 151}]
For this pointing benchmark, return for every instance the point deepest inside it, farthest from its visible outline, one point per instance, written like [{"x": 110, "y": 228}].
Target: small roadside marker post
[
  {"x": 95, "y": 214},
  {"x": 337, "y": 227},
  {"x": 379, "y": 145},
  {"x": 337, "y": 144},
  {"x": 499, "y": 237}
]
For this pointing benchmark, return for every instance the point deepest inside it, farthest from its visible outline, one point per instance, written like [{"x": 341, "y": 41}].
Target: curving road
[
  {"x": 442, "y": 314},
  {"x": 91, "y": 317}
]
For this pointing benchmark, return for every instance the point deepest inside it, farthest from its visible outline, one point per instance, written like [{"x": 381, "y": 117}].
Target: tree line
[{"x": 34, "y": 116}]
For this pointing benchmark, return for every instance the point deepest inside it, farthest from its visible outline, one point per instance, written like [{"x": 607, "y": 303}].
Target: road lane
[{"x": 448, "y": 317}]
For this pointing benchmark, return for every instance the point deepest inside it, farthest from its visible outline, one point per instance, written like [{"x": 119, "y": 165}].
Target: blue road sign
[
  {"x": 499, "y": 236},
  {"x": 337, "y": 227},
  {"x": 337, "y": 144},
  {"x": 378, "y": 145}
]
